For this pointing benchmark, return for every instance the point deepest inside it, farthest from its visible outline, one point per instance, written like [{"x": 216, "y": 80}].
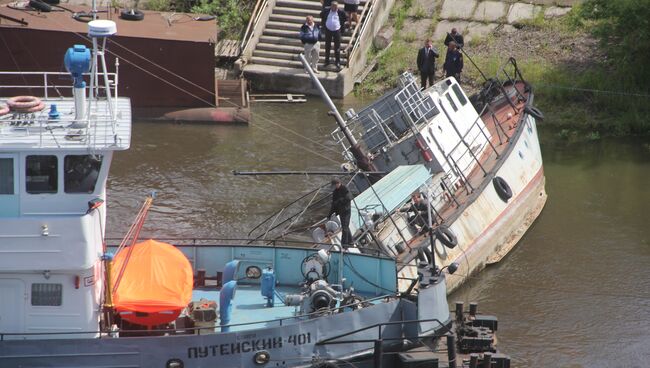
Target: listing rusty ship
[{"x": 474, "y": 163}]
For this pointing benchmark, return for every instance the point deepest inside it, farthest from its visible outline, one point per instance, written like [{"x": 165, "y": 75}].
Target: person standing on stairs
[
  {"x": 352, "y": 7},
  {"x": 310, "y": 37},
  {"x": 333, "y": 20}
]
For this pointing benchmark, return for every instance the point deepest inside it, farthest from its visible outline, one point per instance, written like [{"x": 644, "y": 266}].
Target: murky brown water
[{"x": 574, "y": 293}]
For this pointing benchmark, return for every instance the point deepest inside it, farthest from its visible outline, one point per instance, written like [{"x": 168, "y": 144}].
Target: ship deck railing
[
  {"x": 205, "y": 330},
  {"x": 388, "y": 120},
  {"x": 106, "y": 123},
  {"x": 50, "y": 83}
]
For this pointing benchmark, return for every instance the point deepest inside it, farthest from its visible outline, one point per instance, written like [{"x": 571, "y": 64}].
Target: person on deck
[
  {"x": 453, "y": 62},
  {"x": 310, "y": 38},
  {"x": 427, "y": 63},
  {"x": 455, "y": 37},
  {"x": 341, "y": 200},
  {"x": 333, "y": 20},
  {"x": 419, "y": 216}
]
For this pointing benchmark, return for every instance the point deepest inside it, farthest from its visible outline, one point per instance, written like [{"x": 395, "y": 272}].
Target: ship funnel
[{"x": 77, "y": 62}]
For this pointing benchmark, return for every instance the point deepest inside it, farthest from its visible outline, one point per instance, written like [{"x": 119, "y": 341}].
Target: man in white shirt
[{"x": 333, "y": 20}]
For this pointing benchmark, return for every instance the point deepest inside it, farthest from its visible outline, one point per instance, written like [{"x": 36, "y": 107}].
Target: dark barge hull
[{"x": 164, "y": 67}]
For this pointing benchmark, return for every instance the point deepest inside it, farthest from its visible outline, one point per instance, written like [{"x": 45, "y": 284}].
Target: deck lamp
[{"x": 451, "y": 268}]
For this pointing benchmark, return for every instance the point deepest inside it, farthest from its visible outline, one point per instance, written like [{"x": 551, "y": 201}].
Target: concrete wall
[{"x": 355, "y": 66}]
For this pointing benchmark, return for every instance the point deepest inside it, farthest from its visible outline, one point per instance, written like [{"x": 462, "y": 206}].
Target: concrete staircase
[
  {"x": 280, "y": 44},
  {"x": 270, "y": 59}
]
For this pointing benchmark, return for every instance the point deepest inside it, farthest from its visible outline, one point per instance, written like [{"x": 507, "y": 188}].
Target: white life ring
[
  {"x": 4, "y": 110},
  {"x": 25, "y": 104}
]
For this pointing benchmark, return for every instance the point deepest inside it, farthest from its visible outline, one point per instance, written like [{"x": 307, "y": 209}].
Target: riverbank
[{"x": 577, "y": 86}]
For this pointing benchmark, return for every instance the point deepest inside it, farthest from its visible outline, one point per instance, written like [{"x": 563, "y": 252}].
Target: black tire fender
[
  {"x": 534, "y": 112},
  {"x": 446, "y": 236},
  {"x": 502, "y": 188},
  {"x": 39, "y": 5},
  {"x": 132, "y": 14},
  {"x": 440, "y": 249}
]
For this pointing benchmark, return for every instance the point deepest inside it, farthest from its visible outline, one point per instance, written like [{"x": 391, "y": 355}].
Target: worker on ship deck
[
  {"x": 341, "y": 205},
  {"x": 418, "y": 210}
]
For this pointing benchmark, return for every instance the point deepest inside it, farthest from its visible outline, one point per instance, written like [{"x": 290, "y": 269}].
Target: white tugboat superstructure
[{"x": 53, "y": 168}]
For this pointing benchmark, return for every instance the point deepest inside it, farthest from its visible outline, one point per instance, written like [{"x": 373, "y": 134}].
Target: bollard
[
  {"x": 487, "y": 360},
  {"x": 459, "y": 311},
  {"x": 473, "y": 360},
  {"x": 473, "y": 308},
  {"x": 451, "y": 349},
  {"x": 200, "y": 277}
]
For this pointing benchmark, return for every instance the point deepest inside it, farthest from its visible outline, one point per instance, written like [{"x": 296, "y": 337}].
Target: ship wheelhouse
[{"x": 54, "y": 162}]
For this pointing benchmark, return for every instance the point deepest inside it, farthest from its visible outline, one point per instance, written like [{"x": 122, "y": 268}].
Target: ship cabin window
[
  {"x": 42, "y": 174},
  {"x": 81, "y": 172},
  {"x": 47, "y": 295},
  {"x": 451, "y": 101},
  {"x": 6, "y": 175},
  {"x": 459, "y": 95}
]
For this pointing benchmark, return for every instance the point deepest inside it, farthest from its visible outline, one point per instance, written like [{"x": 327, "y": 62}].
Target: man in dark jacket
[
  {"x": 427, "y": 63},
  {"x": 419, "y": 213},
  {"x": 333, "y": 22},
  {"x": 453, "y": 62},
  {"x": 341, "y": 200},
  {"x": 456, "y": 37},
  {"x": 310, "y": 37}
]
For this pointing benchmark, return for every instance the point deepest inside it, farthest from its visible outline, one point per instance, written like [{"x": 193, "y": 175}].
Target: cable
[
  {"x": 349, "y": 264},
  {"x": 207, "y": 102}
]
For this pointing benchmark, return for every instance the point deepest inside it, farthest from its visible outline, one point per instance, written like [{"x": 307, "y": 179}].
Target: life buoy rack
[
  {"x": 132, "y": 14},
  {"x": 534, "y": 112},
  {"x": 502, "y": 188},
  {"x": 446, "y": 236},
  {"x": 25, "y": 104}
]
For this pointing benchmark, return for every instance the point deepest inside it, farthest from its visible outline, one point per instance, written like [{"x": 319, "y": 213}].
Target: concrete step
[
  {"x": 309, "y": 4},
  {"x": 299, "y": 4},
  {"x": 284, "y": 63},
  {"x": 289, "y": 56},
  {"x": 291, "y": 49},
  {"x": 293, "y": 34},
  {"x": 297, "y": 12},
  {"x": 284, "y": 25}
]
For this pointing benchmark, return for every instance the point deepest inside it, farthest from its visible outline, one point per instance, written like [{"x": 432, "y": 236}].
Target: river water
[{"x": 575, "y": 292}]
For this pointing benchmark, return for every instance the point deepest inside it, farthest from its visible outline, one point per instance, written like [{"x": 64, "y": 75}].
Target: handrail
[
  {"x": 329, "y": 340},
  {"x": 258, "y": 10},
  {"x": 361, "y": 24},
  {"x": 45, "y": 85},
  {"x": 280, "y": 320}
]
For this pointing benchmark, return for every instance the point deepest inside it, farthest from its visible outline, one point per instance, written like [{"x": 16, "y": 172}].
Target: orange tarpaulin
[{"x": 156, "y": 284}]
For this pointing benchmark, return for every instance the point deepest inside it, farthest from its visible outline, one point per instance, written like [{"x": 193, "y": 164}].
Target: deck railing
[
  {"x": 38, "y": 130},
  {"x": 49, "y": 82},
  {"x": 253, "y": 24},
  {"x": 360, "y": 29}
]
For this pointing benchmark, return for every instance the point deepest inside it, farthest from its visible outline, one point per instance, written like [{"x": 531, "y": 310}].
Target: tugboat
[
  {"x": 69, "y": 300},
  {"x": 467, "y": 170}
]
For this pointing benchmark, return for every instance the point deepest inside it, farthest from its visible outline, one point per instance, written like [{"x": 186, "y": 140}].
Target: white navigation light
[{"x": 101, "y": 28}]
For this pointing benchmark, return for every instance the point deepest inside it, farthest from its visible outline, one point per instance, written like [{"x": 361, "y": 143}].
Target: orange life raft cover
[{"x": 156, "y": 284}]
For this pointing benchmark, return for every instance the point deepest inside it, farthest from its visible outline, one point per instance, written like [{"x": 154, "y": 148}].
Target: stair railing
[
  {"x": 359, "y": 29},
  {"x": 253, "y": 22}
]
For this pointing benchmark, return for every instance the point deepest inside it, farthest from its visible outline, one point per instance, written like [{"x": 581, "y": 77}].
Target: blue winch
[{"x": 267, "y": 286}]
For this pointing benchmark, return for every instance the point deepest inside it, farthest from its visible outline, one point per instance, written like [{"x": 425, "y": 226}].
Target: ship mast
[{"x": 360, "y": 157}]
